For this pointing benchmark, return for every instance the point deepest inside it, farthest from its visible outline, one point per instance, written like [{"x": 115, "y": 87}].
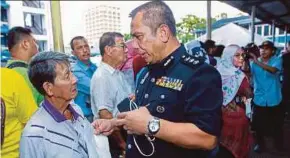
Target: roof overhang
[{"x": 266, "y": 10}]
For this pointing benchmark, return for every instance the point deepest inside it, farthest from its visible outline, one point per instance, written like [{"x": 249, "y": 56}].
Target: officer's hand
[
  {"x": 135, "y": 122},
  {"x": 104, "y": 126}
]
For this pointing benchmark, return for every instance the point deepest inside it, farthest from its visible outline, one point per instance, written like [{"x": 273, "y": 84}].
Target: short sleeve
[
  {"x": 277, "y": 63},
  {"x": 31, "y": 147},
  {"x": 102, "y": 95},
  {"x": 25, "y": 102},
  {"x": 203, "y": 100}
]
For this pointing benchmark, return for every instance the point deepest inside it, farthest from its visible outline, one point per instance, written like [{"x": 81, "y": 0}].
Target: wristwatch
[{"x": 153, "y": 126}]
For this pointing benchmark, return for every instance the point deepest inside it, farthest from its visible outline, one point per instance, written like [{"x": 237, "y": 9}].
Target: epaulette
[{"x": 191, "y": 60}]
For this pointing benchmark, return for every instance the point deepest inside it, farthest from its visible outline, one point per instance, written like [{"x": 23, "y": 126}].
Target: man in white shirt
[{"x": 109, "y": 86}]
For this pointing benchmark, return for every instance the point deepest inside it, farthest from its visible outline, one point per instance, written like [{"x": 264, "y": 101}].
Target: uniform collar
[
  {"x": 108, "y": 67},
  {"x": 170, "y": 60},
  {"x": 56, "y": 115}
]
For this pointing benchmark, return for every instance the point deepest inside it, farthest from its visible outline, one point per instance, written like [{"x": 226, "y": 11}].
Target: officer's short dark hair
[
  {"x": 42, "y": 68},
  {"x": 156, "y": 13},
  {"x": 209, "y": 44},
  {"x": 16, "y": 34},
  {"x": 108, "y": 39},
  {"x": 75, "y": 38}
]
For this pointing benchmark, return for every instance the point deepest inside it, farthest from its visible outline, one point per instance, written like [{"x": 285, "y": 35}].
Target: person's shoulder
[
  {"x": 36, "y": 124},
  {"x": 192, "y": 64}
]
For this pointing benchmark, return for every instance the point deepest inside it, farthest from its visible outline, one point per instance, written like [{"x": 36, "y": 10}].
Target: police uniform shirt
[{"x": 182, "y": 88}]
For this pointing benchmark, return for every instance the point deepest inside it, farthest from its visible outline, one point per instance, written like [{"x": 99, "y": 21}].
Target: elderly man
[
  {"x": 83, "y": 69},
  {"x": 179, "y": 97},
  {"x": 109, "y": 85},
  {"x": 58, "y": 128},
  {"x": 22, "y": 47}
]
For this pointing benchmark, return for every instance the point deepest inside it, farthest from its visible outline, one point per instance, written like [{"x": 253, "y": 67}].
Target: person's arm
[
  {"x": 103, "y": 98},
  {"x": 25, "y": 102},
  {"x": 31, "y": 147},
  {"x": 266, "y": 67}
]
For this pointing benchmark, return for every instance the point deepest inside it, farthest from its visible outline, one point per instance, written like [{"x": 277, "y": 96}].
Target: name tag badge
[{"x": 171, "y": 83}]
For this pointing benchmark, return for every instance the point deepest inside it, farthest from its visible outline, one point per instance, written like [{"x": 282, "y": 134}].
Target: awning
[
  {"x": 4, "y": 28},
  {"x": 266, "y": 10}
]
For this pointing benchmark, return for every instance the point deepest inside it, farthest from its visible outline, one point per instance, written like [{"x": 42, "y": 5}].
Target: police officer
[{"x": 178, "y": 96}]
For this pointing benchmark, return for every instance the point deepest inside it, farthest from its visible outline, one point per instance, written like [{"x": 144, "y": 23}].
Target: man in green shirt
[{"x": 22, "y": 47}]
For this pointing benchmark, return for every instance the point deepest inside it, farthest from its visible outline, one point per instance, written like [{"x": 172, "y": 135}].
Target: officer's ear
[{"x": 164, "y": 33}]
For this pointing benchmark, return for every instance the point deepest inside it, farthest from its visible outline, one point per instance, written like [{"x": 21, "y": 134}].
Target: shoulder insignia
[{"x": 191, "y": 60}]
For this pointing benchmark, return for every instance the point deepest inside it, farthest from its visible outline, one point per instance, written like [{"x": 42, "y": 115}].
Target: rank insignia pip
[{"x": 171, "y": 83}]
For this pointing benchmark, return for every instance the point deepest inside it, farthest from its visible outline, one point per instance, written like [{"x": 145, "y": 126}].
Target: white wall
[{"x": 16, "y": 18}]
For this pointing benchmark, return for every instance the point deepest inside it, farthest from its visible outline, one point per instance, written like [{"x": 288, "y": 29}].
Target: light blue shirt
[
  {"x": 84, "y": 74},
  {"x": 49, "y": 134},
  {"x": 108, "y": 88},
  {"x": 267, "y": 86}
]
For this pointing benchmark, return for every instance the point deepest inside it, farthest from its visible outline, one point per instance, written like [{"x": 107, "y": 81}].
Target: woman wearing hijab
[{"x": 236, "y": 139}]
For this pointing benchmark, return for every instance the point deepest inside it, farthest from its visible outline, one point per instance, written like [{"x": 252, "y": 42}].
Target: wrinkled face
[
  {"x": 266, "y": 52},
  {"x": 64, "y": 86},
  {"x": 148, "y": 45},
  {"x": 82, "y": 50},
  {"x": 238, "y": 59},
  {"x": 119, "y": 51}
]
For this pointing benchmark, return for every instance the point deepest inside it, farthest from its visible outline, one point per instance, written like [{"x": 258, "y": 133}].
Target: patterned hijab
[{"x": 232, "y": 76}]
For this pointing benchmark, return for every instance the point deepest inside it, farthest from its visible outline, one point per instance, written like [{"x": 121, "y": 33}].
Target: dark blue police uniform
[{"x": 182, "y": 88}]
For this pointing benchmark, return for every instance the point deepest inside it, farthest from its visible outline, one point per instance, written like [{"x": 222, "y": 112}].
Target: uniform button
[
  {"x": 162, "y": 96},
  {"x": 129, "y": 146},
  {"x": 152, "y": 79},
  {"x": 146, "y": 96},
  {"x": 160, "y": 109},
  {"x": 137, "y": 91}
]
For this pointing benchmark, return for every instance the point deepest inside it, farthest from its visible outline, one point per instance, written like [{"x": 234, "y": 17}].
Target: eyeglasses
[{"x": 120, "y": 46}]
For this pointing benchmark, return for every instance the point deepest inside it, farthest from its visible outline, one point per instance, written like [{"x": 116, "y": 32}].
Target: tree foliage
[{"x": 188, "y": 25}]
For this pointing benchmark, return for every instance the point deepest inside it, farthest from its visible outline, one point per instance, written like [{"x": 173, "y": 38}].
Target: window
[
  {"x": 266, "y": 30},
  {"x": 33, "y": 4},
  {"x": 281, "y": 32},
  {"x": 4, "y": 16},
  {"x": 259, "y": 30},
  {"x": 42, "y": 45},
  {"x": 35, "y": 22}
]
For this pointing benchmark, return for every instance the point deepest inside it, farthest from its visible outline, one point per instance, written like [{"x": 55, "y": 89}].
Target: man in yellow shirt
[{"x": 19, "y": 107}]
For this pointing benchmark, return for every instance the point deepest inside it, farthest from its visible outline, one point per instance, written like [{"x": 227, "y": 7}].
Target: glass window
[
  {"x": 266, "y": 30},
  {"x": 259, "y": 30},
  {"x": 281, "y": 32}
]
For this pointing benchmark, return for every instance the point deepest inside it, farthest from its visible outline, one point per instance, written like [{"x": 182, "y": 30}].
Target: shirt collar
[
  {"x": 13, "y": 60},
  {"x": 56, "y": 115},
  {"x": 86, "y": 67},
  {"x": 108, "y": 67}
]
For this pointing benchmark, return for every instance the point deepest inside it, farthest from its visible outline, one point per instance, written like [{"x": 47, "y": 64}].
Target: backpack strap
[
  {"x": 3, "y": 115},
  {"x": 17, "y": 64}
]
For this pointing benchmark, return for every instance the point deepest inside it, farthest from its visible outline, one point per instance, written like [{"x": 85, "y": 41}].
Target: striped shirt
[{"x": 49, "y": 134}]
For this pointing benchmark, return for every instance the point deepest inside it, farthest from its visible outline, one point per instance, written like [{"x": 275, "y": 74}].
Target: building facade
[
  {"x": 35, "y": 15},
  {"x": 100, "y": 19}
]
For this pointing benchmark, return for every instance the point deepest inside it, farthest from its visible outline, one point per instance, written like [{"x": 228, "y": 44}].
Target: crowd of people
[{"x": 151, "y": 96}]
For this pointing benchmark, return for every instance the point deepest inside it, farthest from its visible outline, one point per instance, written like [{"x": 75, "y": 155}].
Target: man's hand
[
  {"x": 104, "y": 126},
  {"x": 135, "y": 122},
  {"x": 254, "y": 57}
]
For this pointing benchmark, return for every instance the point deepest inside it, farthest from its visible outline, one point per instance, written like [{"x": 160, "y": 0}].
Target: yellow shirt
[{"x": 20, "y": 106}]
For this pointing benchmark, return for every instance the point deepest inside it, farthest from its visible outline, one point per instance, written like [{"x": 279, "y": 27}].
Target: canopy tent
[{"x": 234, "y": 34}]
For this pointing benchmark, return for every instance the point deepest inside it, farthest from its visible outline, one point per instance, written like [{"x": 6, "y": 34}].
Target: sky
[{"x": 72, "y": 13}]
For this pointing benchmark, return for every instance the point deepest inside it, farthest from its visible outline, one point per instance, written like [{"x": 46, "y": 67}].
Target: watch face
[{"x": 154, "y": 126}]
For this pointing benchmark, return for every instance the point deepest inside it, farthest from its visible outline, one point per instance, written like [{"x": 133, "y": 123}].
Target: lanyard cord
[{"x": 133, "y": 106}]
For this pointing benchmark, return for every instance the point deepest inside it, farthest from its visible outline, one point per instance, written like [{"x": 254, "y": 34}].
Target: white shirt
[{"x": 108, "y": 88}]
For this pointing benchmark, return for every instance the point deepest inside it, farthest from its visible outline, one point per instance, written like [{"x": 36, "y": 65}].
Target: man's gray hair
[
  {"x": 156, "y": 13},
  {"x": 42, "y": 68}
]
